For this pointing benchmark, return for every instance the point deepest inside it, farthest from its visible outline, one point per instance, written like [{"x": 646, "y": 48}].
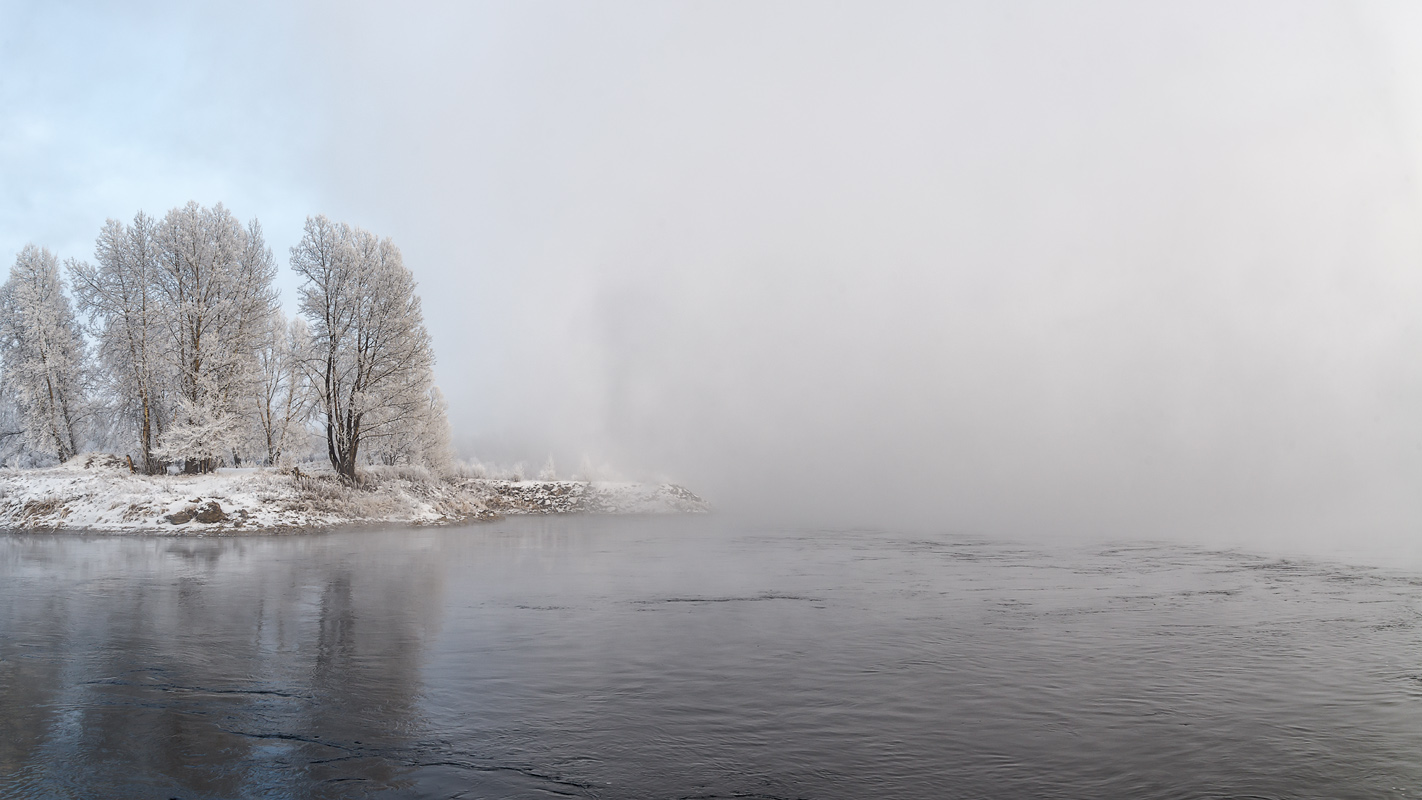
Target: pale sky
[{"x": 1120, "y": 266}]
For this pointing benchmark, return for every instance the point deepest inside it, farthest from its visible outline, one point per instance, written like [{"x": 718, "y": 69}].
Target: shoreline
[{"x": 97, "y": 494}]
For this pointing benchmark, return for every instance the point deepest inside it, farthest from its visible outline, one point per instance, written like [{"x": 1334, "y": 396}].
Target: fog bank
[
  {"x": 1121, "y": 267},
  {"x": 1107, "y": 267}
]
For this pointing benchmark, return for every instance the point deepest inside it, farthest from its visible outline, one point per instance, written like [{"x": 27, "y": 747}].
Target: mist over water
[
  {"x": 1053, "y": 370},
  {"x": 1101, "y": 269},
  {"x": 1110, "y": 269},
  {"x": 698, "y": 657}
]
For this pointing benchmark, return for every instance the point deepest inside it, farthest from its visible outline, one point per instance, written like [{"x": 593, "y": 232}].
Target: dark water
[{"x": 695, "y": 658}]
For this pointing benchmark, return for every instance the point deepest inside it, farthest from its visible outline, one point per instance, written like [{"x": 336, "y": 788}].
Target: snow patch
[{"x": 98, "y": 493}]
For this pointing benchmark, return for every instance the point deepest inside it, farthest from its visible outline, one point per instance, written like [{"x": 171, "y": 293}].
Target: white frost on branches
[
  {"x": 282, "y": 397},
  {"x": 42, "y": 352},
  {"x": 205, "y": 434},
  {"x": 196, "y": 365},
  {"x": 119, "y": 295},
  {"x": 215, "y": 280},
  {"x": 370, "y": 358}
]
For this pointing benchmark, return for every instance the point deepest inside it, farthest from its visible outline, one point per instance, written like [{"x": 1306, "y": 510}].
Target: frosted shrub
[
  {"x": 469, "y": 469},
  {"x": 589, "y": 472},
  {"x": 414, "y": 473}
]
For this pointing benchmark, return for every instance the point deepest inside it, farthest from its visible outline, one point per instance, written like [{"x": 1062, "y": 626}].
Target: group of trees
[{"x": 180, "y": 353}]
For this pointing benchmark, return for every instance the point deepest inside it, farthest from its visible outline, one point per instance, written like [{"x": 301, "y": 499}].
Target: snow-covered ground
[
  {"x": 98, "y": 493},
  {"x": 565, "y": 497}
]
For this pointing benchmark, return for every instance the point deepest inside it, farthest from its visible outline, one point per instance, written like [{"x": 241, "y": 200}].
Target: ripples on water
[{"x": 694, "y": 658}]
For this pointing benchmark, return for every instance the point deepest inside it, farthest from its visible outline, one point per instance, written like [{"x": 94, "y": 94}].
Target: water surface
[{"x": 697, "y": 657}]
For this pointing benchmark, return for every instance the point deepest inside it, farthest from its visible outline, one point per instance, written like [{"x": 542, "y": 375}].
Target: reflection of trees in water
[
  {"x": 28, "y": 684},
  {"x": 226, "y": 668}
]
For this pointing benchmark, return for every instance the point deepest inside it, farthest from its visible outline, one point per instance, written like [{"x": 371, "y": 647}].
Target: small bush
[
  {"x": 469, "y": 469},
  {"x": 380, "y": 473}
]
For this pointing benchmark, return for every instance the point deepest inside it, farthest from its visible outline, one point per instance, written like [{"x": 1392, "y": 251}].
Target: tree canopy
[{"x": 186, "y": 358}]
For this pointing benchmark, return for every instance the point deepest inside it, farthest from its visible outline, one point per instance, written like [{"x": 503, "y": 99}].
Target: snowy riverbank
[{"x": 95, "y": 493}]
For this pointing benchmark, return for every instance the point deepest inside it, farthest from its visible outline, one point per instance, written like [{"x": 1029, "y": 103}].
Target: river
[{"x": 699, "y": 657}]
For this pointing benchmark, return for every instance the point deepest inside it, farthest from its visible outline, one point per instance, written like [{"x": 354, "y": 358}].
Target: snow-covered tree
[
  {"x": 14, "y": 452},
  {"x": 370, "y": 359},
  {"x": 195, "y": 363},
  {"x": 422, "y": 438},
  {"x": 42, "y": 359},
  {"x": 549, "y": 471},
  {"x": 205, "y": 434},
  {"x": 120, "y": 296},
  {"x": 215, "y": 280},
  {"x": 283, "y": 396},
  {"x": 436, "y": 442}
]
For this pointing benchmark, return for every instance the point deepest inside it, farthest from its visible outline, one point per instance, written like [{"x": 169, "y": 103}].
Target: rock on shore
[{"x": 571, "y": 497}]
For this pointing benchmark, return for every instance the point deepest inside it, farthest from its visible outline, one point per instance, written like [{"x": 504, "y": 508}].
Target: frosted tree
[
  {"x": 370, "y": 358},
  {"x": 421, "y": 439},
  {"x": 549, "y": 471},
  {"x": 120, "y": 296},
  {"x": 435, "y": 439},
  {"x": 282, "y": 397},
  {"x": 13, "y": 452},
  {"x": 215, "y": 281},
  {"x": 42, "y": 355},
  {"x": 205, "y": 434}
]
